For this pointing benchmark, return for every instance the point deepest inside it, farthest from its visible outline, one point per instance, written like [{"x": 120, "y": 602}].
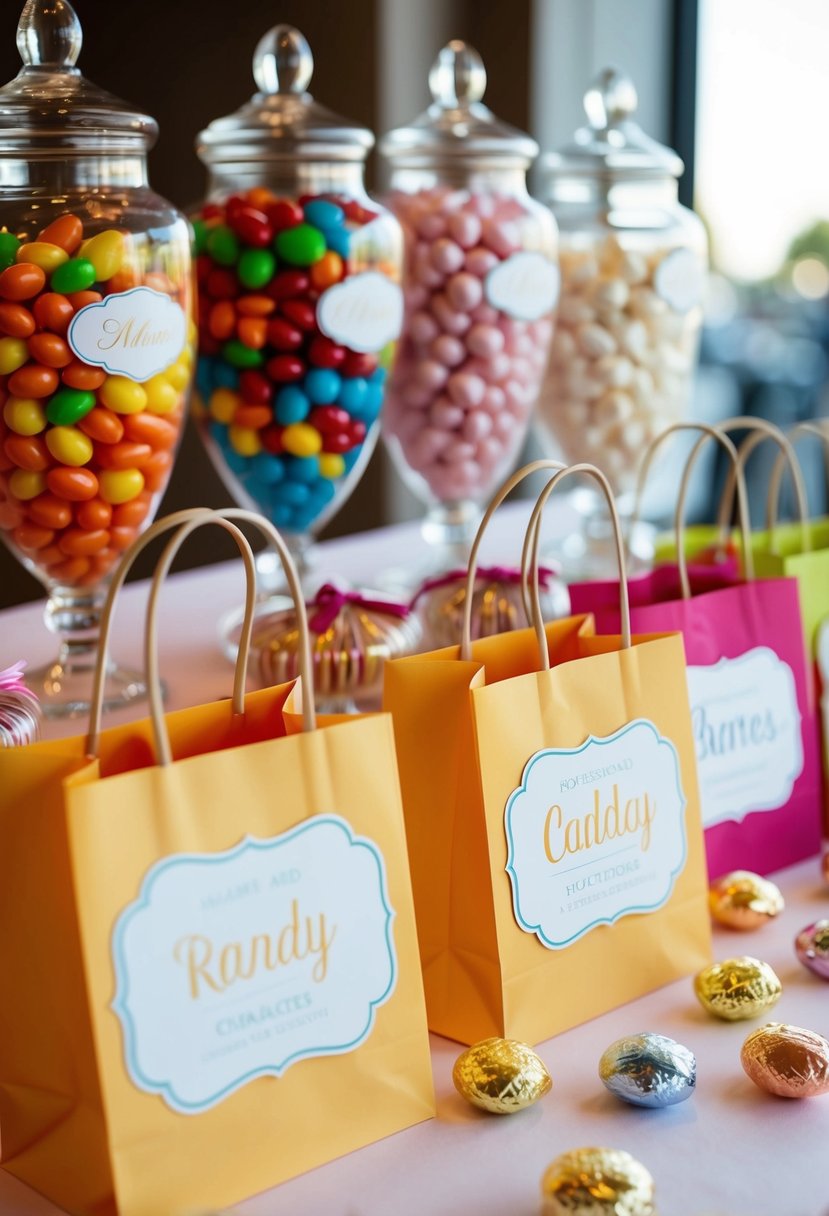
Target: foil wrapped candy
[
  {"x": 20, "y": 713},
  {"x": 497, "y": 603}
]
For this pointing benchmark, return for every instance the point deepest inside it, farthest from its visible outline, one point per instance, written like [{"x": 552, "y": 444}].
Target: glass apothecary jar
[
  {"x": 96, "y": 341},
  {"x": 299, "y": 301},
  {"x": 633, "y": 265},
  {"x": 480, "y": 289}
]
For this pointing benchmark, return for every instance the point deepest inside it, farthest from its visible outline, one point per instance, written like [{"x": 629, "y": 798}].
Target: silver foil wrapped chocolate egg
[
  {"x": 648, "y": 1070},
  {"x": 812, "y": 948},
  {"x": 743, "y": 900},
  {"x": 737, "y": 988},
  {"x": 787, "y": 1060},
  {"x": 597, "y": 1182},
  {"x": 501, "y": 1075}
]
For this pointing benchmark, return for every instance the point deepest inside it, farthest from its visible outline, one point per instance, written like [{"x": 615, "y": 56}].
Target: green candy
[
  {"x": 256, "y": 267},
  {"x": 239, "y": 355},
  {"x": 75, "y": 275},
  {"x": 301, "y": 245},
  {"x": 9, "y": 245},
  {"x": 223, "y": 245},
  {"x": 199, "y": 236},
  {"x": 69, "y": 405}
]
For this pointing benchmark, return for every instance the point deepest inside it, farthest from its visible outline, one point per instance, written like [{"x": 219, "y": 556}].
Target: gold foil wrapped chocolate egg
[
  {"x": 812, "y": 948},
  {"x": 597, "y": 1182},
  {"x": 737, "y": 988},
  {"x": 501, "y": 1076},
  {"x": 745, "y": 901},
  {"x": 787, "y": 1061}
]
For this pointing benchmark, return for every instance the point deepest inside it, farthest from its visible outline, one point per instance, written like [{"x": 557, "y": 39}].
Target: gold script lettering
[
  {"x": 129, "y": 333},
  {"x": 596, "y": 826}
]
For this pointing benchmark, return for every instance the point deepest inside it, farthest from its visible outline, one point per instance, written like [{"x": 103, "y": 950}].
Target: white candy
[{"x": 595, "y": 341}]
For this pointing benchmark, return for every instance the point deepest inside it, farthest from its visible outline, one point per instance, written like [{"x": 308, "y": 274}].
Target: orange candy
[
  {"x": 66, "y": 232},
  {"x": 50, "y": 512},
  {"x": 50, "y": 350},
  {"x": 81, "y": 375},
  {"x": 151, "y": 429},
  {"x": 123, "y": 455},
  {"x": 21, "y": 281},
  {"x": 30, "y": 536},
  {"x": 254, "y": 416},
  {"x": 33, "y": 380},
  {"x": 328, "y": 270},
  {"x": 15, "y": 320},
  {"x": 255, "y": 306},
  {"x": 53, "y": 312},
  {"x": 71, "y": 571},
  {"x": 102, "y": 425},
  {"x": 252, "y": 331},
  {"x": 131, "y": 514},
  {"x": 222, "y": 321},
  {"x": 78, "y": 542},
  {"x": 156, "y": 470},
  {"x": 75, "y": 485},
  {"x": 122, "y": 538},
  {"x": 94, "y": 514},
  {"x": 80, "y": 299},
  {"x": 28, "y": 452}
]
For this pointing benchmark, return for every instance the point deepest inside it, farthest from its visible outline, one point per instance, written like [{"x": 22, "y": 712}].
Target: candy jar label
[
  {"x": 747, "y": 734},
  {"x": 236, "y": 965},
  {"x": 680, "y": 280},
  {"x": 525, "y": 286},
  {"x": 364, "y": 313},
  {"x": 136, "y": 333},
  {"x": 595, "y": 833}
]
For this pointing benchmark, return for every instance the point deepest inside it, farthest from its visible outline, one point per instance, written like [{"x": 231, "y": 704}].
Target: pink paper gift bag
[{"x": 752, "y": 697}]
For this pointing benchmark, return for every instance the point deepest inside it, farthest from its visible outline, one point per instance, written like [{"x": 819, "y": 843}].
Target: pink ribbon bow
[
  {"x": 330, "y": 600},
  {"x": 11, "y": 679},
  {"x": 491, "y": 574}
]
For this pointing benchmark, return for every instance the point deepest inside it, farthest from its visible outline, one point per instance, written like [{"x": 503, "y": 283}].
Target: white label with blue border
[
  {"x": 237, "y": 965},
  {"x": 595, "y": 833},
  {"x": 136, "y": 333},
  {"x": 364, "y": 313}
]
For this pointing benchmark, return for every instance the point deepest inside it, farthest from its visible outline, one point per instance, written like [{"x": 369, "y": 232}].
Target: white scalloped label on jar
[
  {"x": 747, "y": 734},
  {"x": 595, "y": 833},
  {"x": 364, "y": 313},
  {"x": 525, "y": 286},
  {"x": 136, "y": 333},
  {"x": 680, "y": 280},
  {"x": 237, "y": 965}
]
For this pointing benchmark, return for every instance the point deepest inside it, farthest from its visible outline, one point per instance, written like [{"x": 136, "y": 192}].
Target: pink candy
[{"x": 466, "y": 375}]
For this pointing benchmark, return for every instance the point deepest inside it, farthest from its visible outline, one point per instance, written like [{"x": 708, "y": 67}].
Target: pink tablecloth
[{"x": 729, "y": 1151}]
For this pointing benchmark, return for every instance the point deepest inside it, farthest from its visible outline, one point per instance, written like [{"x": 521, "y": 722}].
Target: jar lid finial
[
  {"x": 610, "y": 100},
  {"x": 457, "y": 77},
  {"x": 49, "y": 34},
  {"x": 282, "y": 61}
]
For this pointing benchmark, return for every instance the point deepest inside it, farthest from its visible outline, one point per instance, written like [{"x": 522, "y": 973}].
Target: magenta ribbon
[
  {"x": 330, "y": 600},
  {"x": 11, "y": 679},
  {"x": 491, "y": 574}
]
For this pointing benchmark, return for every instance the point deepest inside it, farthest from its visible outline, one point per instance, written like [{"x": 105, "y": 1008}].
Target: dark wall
[{"x": 189, "y": 61}]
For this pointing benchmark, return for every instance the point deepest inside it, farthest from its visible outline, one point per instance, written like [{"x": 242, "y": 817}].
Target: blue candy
[
  {"x": 323, "y": 214},
  {"x": 291, "y": 405},
  {"x": 322, "y": 385},
  {"x": 351, "y": 458},
  {"x": 302, "y": 468},
  {"x": 267, "y": 469},
  {"x": 353, "y": 394},
  {"x": 295, "y": 493},
  {"x": 282, "y": 515},
  {"x": 339, "y": 240},
  {"x": 225, "y": 376},
  {"x": 204, "y": 377}
]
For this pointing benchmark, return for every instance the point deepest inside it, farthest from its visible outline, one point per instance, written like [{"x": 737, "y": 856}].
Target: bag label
[
  {"x": 595, "y": 833},
  {"x": 236, "y": 965},
  {"x": 747, "y": 734},
  {"x": 136, "y": 333},
  {"x": 680, "y": 280},
  {"x": 364, "y": 313},
  {"x": 524, "y": 286}
]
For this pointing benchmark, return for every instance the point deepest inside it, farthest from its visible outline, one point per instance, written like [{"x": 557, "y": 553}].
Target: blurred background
[{"x": 738, "y": 87}]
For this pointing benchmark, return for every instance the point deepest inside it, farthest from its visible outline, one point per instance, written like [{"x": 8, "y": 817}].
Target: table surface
[{"x": 731, "y": 1150}]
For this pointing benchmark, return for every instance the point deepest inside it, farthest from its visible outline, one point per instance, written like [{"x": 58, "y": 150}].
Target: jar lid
[
  {"x": 50, "y": 105},
  {"x": 457, "y": 126},
  {"x": 282, "y": 121},
  {"x": 612, "y": 144}
]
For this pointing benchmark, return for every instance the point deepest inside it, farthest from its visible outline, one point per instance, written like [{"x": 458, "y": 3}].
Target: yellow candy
[
  {"x": 223, "y": 405},
  {"x": 24, "y": 484},
  {"x": 122, "y": 395},
  {"x": 13, "y": 354},
  {"x": 178, "y": 375},
  {"x": 106, "y": 253},
  {"x": 24, "y": 415},
  {"x": 301, "y": 440},
  {"x": 245, "y": 440},
  {"x": 332, "y": 465},
  {"x": 69, "y": 445},
  {"x": 120, "y": 485},
  {"x": 43, "y": 254},
  {"x": 161, "y": 396}
]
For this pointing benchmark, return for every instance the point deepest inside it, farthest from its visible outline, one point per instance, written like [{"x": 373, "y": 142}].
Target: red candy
[
  {"x": 283, "y": 214},
  {"x": 301, "y": 312},
  {"x": 322, "y": 352},
  {"x": 328, "y": 419},
  {"x": 288, "y": 284},
  {"x": 252, "y": 226},
  {"x": 285, "y": 368},
  {"x": 282, "y": 335},
  {"x": 357, "y": 364},
  {"x": 255, "y": 388},
  {"x": 222, "y": 284}
]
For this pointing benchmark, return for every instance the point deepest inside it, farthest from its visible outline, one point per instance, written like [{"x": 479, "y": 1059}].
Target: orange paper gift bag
[
  {"x": 552, "y": 818},
  {"x": 207, "y": 943}
]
